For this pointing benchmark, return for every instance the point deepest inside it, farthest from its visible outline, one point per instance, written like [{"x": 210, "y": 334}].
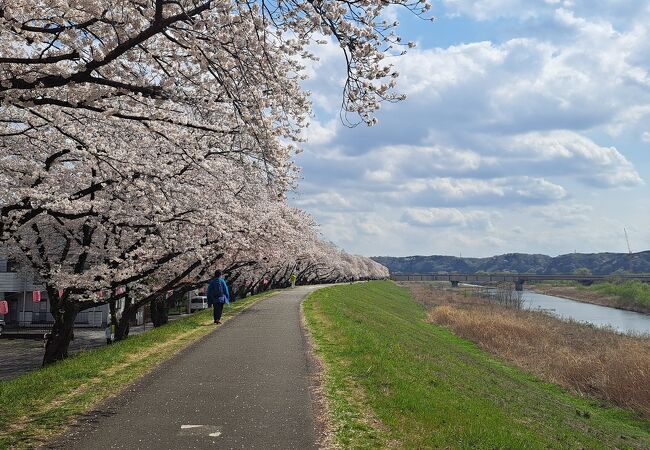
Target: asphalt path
[{"x": 246, "y": 385}]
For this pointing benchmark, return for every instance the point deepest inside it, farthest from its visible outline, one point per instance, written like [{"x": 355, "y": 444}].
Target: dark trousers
[{"x": 218, "y": 309}]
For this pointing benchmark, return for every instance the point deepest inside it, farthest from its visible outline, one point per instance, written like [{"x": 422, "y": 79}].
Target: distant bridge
[{"x": 517, "y": 278}]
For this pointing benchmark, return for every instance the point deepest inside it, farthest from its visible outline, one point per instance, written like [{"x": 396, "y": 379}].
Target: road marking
[{"x": 212, "y": 431}]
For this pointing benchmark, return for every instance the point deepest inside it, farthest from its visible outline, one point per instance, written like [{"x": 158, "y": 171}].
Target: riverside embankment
[{"x": 394, "y": 377}]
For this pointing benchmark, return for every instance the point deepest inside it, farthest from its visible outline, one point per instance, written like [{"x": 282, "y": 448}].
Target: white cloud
[
  {"x": 378, "y": 176},
  {"x": 600, "y": 166},
  {"x": 569, "y": 214},
  {"x": 326, "y": 74},
  {"x": 464, "y": 191},
  {"x": 370, "y": 228},
  {"x": 485, "y": 10},
  {"x": 319, "y": 134},
  {"x": 527, "y": 126},
  {"x": 531, "y": 84},
  {"x": 349, "y": 229},
  {"x": 431, "y": 72},
  {"x": 391, "y": 12},
  {"x": 491, "y": 9},
  {"x": 538, "y": 189},
  {"x": 446, "y": 217},
  {"x": 325, "y": 200}
]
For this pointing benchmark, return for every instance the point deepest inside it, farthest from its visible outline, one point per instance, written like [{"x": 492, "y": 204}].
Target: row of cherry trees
[{"x": 145, "y": 143}]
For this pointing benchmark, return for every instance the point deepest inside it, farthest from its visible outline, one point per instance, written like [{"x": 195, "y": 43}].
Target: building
[{"x": 18, "y": 287}]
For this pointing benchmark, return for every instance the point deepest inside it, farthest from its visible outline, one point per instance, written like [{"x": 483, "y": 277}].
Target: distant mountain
[{"x": 597, "y": 263}]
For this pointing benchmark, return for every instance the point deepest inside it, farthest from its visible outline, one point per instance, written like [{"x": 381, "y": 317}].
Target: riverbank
[
  {"x": 394, "y": 379},
  {"x": 630, "y": 296},
  {"x": 41, "y": 404},
  {"x": 573, "y": 354}
]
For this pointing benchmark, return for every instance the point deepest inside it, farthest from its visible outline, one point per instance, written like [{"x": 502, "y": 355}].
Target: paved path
[{"x": 247, "y": 385}]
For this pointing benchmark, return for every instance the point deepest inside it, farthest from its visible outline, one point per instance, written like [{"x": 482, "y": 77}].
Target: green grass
[
  {"x": 40, "y": 404},
  {"x": 627, "y": 293},
  {"x": 394, "y": 380},
  {"x": 632, "y": 295}
]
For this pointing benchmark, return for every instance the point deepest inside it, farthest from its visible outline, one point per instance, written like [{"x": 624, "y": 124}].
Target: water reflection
[{"x": 620, "y": 320}]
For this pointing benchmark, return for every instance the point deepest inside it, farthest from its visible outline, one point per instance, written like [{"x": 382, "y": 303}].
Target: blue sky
[{"x": 526, "y": 129}]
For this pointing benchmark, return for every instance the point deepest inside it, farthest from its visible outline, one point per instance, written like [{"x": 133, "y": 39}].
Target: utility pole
[{"x": 629, "y": 250}]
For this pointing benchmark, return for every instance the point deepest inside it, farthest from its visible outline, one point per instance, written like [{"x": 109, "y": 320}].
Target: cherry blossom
[{"x": 143, "y": 145}]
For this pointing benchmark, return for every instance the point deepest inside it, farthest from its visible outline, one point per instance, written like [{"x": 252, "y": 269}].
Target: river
[{"x": 602, "y": 316}]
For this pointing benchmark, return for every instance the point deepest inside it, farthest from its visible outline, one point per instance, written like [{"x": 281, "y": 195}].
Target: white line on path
[{"x": 198, "y": 430}]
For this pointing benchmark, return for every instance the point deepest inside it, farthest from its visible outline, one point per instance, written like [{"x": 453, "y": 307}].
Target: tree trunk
[
  {"x": 159, "y": 312},
  {"x": 58, "y": 340},
  {"x": 124, "y": 324},
  {"x": 113, "y": 314}
]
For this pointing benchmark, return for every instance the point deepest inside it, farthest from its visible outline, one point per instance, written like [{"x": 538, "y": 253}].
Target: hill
[{"x": 597, "y": 263}]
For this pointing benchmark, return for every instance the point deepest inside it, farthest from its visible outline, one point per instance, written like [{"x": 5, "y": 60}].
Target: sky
[{"x": 526, "y": 128}]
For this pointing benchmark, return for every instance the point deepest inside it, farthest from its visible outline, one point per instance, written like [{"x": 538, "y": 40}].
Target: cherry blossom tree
[
  {"x": 144, "y": 144},
  {"x": 151, "y": 62}
]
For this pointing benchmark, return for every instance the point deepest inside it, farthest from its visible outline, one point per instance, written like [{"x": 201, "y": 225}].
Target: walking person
[
  {"x": 218, "y": 295},
  {"x": 293, "y": 279}
]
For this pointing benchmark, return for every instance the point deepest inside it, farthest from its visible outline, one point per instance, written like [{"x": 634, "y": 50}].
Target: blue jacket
[{"x": 218, "y": 292}]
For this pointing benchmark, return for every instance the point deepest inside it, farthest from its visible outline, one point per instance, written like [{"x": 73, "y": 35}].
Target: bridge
[{"x": 517, "y": 278}]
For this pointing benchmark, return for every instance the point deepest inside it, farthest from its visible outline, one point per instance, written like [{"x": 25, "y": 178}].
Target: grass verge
[
  {"x": 40, "y": 405},
  {"x": 394, "y": 380}
]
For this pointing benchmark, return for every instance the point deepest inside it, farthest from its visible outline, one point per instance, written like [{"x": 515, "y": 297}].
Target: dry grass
[
  {"x": 583, "y": 358},
  {"x": 430, "y": 295}
]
